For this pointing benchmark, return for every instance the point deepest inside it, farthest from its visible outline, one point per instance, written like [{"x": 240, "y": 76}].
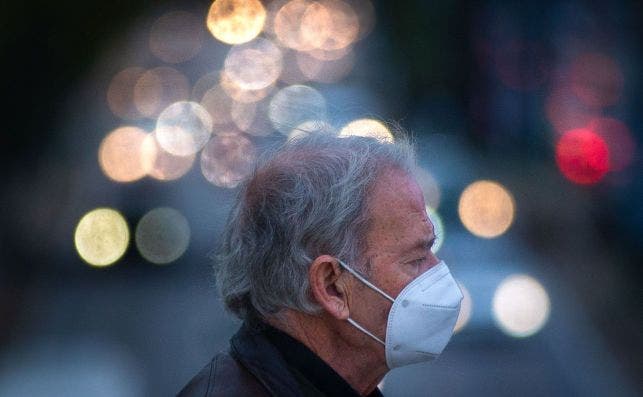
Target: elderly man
[{"x": 327, "y": 259}]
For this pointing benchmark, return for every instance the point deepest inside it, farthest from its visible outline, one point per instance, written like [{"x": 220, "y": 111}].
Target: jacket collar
[{"x": 253, "y": 350}]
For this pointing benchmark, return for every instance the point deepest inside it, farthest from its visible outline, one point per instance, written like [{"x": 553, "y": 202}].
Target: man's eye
[{"x": 418, "y": 262}]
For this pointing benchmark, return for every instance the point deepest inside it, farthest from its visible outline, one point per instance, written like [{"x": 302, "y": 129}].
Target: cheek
[{"x": 383, "y": 317}]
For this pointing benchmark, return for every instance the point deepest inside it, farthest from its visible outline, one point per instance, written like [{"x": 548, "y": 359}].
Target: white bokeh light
[
  {"x": 295, "y": 104},
  {"x": 520, "y": 305},
  {"x": 183, "y": 128}
]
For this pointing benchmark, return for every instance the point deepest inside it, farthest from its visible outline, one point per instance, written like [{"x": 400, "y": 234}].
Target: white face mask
[{"x": 421, "y": 319}]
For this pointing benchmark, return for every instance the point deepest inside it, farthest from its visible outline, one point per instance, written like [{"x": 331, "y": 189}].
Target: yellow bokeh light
[
  {"x": 120, "y": 93},
  {"x": 162, "y": 235},
  {"x": 368, "y": 128},
  {"x": 183, "y": 128},
  {"x": 329, "y": 25},
  {"x": 176, "y": 37},
  {"x": 287, "y": 25},
  {"x": 101, "y": 237},
  {"x": 305, "y": 25},
  {"x": 236, "y": 21},
  {"x": 255, "y": 65},
  {"x": 165, "y": 166},
  {"x": 157, "y": 88},
  {"x": 466, "y": 308},
  {"x": 520, "y": 305},
  {"x": 227, "y": 159},
  {"x": 486, "y": 209},
  {"x": 124, "y": 156}
]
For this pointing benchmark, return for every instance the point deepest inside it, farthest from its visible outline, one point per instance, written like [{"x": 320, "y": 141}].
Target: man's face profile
[{"x": 398, "y": 243}]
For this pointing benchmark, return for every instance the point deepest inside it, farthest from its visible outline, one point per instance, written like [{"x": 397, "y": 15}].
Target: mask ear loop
[
  {"x": 365, "y": 281},
  {"x": 364, "y": 330},
  {"x": 372, "y": 286}
]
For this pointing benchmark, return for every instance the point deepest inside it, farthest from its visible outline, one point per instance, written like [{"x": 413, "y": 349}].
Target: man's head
[
  {"x": 330, "y": 242},
  {"x": 315, "y": 196}
]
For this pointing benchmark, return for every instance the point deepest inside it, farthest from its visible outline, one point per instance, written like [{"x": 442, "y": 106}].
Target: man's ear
[{"x": 328, "y": 287}]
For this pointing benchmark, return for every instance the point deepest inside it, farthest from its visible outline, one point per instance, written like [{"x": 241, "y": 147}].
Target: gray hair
[{"x": 308, "y": 198}]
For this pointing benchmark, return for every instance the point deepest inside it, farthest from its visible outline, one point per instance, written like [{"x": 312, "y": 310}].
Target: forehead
[{"x": 398, "y": 213}]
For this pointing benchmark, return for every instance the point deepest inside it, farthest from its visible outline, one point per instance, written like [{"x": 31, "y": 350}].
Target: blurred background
[{"x": 129, "y": 124}]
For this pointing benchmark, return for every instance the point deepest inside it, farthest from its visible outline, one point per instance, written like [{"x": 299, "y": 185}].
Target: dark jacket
[
  {"x": 252, "y": 367},
  {"x": 264, "y": 361}
]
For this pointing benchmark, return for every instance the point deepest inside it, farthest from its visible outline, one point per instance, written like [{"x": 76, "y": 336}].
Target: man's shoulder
[{"x": 223, "y": 376}]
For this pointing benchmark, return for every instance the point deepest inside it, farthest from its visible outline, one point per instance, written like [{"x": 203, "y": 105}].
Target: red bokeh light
[
  {"x": 582, "y": 156},
  {"x": 596, "y": 80}
]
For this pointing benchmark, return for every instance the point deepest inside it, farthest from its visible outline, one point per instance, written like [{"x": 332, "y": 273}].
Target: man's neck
[{"x": 360, "y": 367}]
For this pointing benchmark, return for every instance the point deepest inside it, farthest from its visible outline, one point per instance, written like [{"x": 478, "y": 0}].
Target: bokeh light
[
  {"x": 520, "y": 305},
  {"x": 369, "y": 128},
  {"x": 120, "y": 93},
  {"x": 438, "y": 228},
  {"x": 293, "y": 105},
  {"x": 255, "y": 65},
  {"x": 162, "y": 235},
  {"x": 596, "y": 80},
  {"x": 582, "y": 156},
  {"x": 166, "y": 166},
  {"x": 124, "y": 156},
  {"x": 176, "y": 37},
  {"x": 466, "y": 308},
  {"x": 241, "y": 94},
  {"x": 619, "y": 140},
  {"x": 218, "y": 105},
  {"x": 236, "y": 21},
  {"x": 329, "y": 25},
  {"x": 227, "y": 159},
  {"x": 287, "y": 25},
  {"x": 101, "y": 237},
  {"x": 157, "y": 88},
  {"x": 183, "y": 128},
  {"x": 486, "y": 209}
]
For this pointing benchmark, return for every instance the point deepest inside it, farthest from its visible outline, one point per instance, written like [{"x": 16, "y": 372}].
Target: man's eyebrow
[{"x": 424, "y": 243}]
